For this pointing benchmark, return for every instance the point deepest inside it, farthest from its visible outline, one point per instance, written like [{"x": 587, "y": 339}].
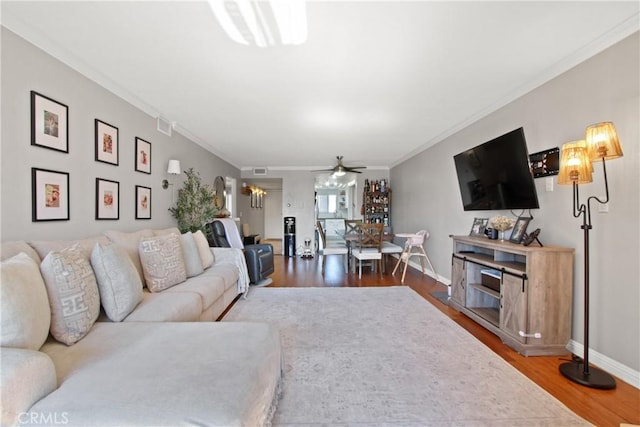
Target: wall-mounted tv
[{"x": 496, "y": 175}]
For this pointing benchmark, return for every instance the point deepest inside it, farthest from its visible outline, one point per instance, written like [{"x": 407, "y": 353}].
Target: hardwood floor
[{"x": 600, "y": 407}]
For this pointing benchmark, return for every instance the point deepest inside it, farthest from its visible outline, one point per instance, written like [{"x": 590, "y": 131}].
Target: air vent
[
  {"x": 259, "y": 171},
  {"x": 164, "y": 126}
]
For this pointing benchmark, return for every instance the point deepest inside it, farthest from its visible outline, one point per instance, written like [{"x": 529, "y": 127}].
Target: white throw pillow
[
  {"x": 206, "y": 255},
  {"x": 24, "y": 306},
  {"x": 130, "y": 242},
  {"x": 118, "y": 280},
  {"x": 192, "y": 262},
  {"x": 162, "y": 262},
  {"x": 73, "y": 293}
]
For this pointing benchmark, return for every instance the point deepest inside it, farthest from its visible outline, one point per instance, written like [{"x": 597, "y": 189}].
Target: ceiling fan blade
[
  {"x": 324, "y": 170},
  {"x": 355, "y": 167}
]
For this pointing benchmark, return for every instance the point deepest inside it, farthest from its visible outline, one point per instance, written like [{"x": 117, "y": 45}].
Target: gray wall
[
  {"x": 604, "y": 88},
  {"x": 26, "y": 68}
]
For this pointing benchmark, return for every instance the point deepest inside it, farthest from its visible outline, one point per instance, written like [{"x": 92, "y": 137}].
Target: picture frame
[
  {"x": 143, "y": 156},
  {"x": 478, "y": 227},
  {"x": 106, "y": 138},
  {"x": 50, "y": 195},
  {"x": 49, "y": 123},
  {"x": 143, "y": 202},
  {"x": 519, "y": 229},
  {"x": 107, "y": 199}
]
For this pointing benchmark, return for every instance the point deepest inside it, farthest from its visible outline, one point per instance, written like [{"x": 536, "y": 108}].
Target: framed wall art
[
  {"x": 49, "y": 123},
  {"x": 50, "y": 195},
  {"x": 143, "y": 202},
  {"x": 478, "y": 227},
  {"x": 143, "y": 156},
  {"x": 107, "y": 199},
  {"x": 519, "y": 229},
  {"x": 106, "y": 143}
]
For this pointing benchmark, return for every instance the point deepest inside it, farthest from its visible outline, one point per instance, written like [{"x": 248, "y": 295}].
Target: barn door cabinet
[{"x": 523, "y": 294}]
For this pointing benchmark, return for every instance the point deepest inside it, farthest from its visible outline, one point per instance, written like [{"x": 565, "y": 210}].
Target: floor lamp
[{"x": 601, "y": 144}]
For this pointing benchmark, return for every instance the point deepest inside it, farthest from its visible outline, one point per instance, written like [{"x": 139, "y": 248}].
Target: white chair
[
  {"x": 369, "y": 246},
  {"x": 331, "y": 247},
  {"x": 414, "y": 241}
]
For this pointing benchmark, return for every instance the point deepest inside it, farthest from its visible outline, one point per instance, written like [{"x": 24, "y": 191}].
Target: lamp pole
[{"x": 581, "y": 372}]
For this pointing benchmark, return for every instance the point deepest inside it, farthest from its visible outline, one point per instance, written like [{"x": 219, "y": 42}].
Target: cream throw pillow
[
  {"x": 73, "y": 293},
  {"x": 192, "y": 262},
  {"x": 206, "y": 255},
  {"x": 118, "y": 280},
  {"x": 24, "y": 306},
  {"x": 162, "y": 262}
]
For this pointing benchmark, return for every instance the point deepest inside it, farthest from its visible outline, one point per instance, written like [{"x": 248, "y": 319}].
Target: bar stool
[{"x": 413, "y": 241}]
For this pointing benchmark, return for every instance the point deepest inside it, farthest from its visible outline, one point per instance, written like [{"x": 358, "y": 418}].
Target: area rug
[{"x": 383, "y": 356}]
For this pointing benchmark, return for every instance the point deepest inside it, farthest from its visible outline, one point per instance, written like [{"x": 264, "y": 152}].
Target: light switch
[
  {"x": 549, "y": 184},
  {"x": 603, "y": 207}
]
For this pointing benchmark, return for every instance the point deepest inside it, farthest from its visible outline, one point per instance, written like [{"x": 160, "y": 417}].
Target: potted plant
[{"x": 195, "y": 205}]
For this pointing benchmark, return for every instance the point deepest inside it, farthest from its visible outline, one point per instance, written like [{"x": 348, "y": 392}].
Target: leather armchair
[{"x": 259, "y": 257}]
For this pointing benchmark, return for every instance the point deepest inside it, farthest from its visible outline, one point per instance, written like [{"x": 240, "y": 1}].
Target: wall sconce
[
  {"x": 575, "y": 169},
  {"x": 172, "y": 169}
]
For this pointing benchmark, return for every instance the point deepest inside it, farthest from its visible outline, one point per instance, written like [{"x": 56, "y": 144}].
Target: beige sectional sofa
[{"x": 116, "y": 330}]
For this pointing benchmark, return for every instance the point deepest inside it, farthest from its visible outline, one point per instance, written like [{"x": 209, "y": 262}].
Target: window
[{"x": 327, "y": 203}]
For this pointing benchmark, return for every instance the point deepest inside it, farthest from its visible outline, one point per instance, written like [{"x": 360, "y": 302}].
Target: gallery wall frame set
[
  {"x": 143, "y": 202},
  {"x": 49, "y": 195},
  {"x": 106, "y": 143},
  {"x": 49, "y": 123},
  {"x": 107, "y": 199},
  {"x": 143, "y": 156}
]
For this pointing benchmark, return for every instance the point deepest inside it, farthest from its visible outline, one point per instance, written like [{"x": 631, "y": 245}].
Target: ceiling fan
[{"x": 340, "y": 169}]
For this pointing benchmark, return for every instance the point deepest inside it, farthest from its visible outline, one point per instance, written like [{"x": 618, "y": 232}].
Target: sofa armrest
[{"x": 26, "y": 377}]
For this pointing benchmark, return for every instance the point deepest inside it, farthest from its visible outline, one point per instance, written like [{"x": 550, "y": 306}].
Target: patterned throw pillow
[
  {"x": 162, "y": 262},
  {"x": 73, "y": 293}
]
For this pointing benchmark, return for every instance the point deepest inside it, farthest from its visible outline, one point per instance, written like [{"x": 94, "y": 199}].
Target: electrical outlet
[
  {"x": 549, "y": 184},
  {"x": 603, "y": 207}
]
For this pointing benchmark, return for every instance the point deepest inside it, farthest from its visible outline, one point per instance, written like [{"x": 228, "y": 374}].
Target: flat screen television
[{"x": 496, "y": 175}]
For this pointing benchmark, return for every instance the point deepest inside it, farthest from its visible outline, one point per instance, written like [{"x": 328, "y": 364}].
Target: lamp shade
[
  {"x": 174, "y": 167},
  {"x": 575, "y": 165},
  {"x": 602, "y": 142}
]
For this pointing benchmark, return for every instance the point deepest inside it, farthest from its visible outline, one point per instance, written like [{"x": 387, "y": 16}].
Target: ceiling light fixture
[{"x": 262, "y": 23}]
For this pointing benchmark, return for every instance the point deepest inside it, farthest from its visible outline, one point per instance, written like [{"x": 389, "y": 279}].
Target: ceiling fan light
[{"x": 340, "y": 172}]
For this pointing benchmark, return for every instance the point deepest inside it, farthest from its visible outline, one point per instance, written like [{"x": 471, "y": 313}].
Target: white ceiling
[{"x": 376, "y": 81}]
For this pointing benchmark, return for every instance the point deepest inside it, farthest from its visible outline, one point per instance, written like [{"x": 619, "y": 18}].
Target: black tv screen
[{"x": 496, "y": 175}]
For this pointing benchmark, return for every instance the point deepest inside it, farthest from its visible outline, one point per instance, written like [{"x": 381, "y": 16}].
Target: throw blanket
[
  {"x": 235, "y": 257},
  {"x": 233, "y": 235}
]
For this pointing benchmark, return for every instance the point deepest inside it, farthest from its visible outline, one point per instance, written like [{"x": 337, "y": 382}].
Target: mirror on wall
[{"x": 219, "y": 187}]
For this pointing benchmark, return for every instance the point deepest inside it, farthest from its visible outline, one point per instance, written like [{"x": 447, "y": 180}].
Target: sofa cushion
[
  {"x": 192, "y": 262},
  {"x": 26, "y": 377},
  {"x": 118, "y": 281},
  {"x": 43, "y": 247},
  {"x": 73, "y": 293},
  {"x": 130, "y": 243},
  {"x": 174, "y": 374},
  {"x": 209, "y": 287},
  {"x": 162, "y": 262},
  {"x": 24, "y": 306},
  {"x": 10, "y": 249},
  {"x": 167, "y": 307},
  {"x": 165, "y": 231},
  {"x": 206, "y": 254}
]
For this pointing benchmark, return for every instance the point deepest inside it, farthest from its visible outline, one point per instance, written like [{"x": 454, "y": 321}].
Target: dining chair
[
  {"x": 414, "y": 241},
  {"x": 369, "y": 246},
  {"x": 352, "y": 226},
  {"x": 332, "y": 247}
]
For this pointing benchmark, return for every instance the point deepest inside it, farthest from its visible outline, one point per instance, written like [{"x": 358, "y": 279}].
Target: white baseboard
[{"x": 609, "y": 365}]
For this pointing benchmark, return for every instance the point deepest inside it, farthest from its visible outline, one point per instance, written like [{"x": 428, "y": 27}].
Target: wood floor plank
[{"x": 600, "y": 407}]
